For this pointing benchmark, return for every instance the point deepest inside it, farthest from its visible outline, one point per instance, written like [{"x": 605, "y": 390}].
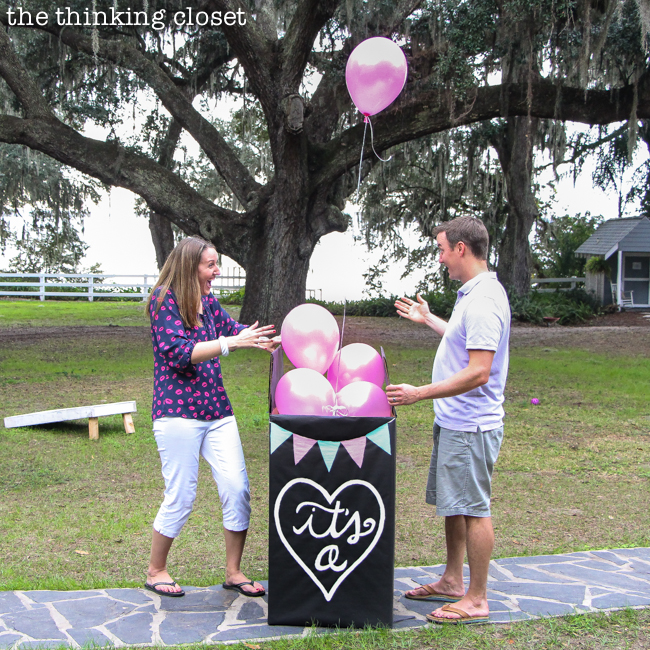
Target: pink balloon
[
  {"x": 364, "y": 399},
  {"x": 358, "y": 362},
  {"x": 304, "y": 392},
  {"x": 375, "y": 74},
  {"x": 310, "y": 337}
]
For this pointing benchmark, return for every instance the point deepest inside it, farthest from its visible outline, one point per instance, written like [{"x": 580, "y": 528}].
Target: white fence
[
  {"x": 94, "y": 286},
  {"x": 574, "y": 281}
]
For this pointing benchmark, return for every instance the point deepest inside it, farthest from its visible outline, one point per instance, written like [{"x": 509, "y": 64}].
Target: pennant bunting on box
[
  {"x": 278, "y": 436},
  {"x": 328, "y": 448},
  {"x": 381, "y": 437},
  {"x": 301, "y": 446},
  {"x": 356, "y": 448}
]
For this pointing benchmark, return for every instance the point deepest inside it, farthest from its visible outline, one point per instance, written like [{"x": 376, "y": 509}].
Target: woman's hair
[
  {"x": 180, "y": 273},
  {"x": 471, "y": 231}
]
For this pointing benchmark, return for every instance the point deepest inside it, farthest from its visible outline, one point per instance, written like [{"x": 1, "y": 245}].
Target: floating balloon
[
  {"x": 310, "y": 337},
  {"x": 356, "y": 362},
  {"x": 364, "y": 399},
  {"x": 375, "y": 74},
  {"x": 304, "y": 392}
]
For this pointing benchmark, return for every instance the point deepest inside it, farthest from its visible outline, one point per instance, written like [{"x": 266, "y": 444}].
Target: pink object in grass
[{"x": 534, "y": 400}]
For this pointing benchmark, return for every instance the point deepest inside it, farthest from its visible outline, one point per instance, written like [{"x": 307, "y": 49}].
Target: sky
[{"x": 121, "y": 243}]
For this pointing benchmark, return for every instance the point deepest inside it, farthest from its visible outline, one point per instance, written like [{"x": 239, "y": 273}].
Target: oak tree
[{"x": 286, "y": 59}]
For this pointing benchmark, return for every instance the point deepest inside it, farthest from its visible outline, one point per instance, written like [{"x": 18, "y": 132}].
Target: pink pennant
[
  {"x": 300, "y": 447},
  {"x": 356, "y": 448}
]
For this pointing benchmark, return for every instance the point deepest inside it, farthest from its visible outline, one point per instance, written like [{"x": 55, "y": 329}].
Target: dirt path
[{"x": 626, "y": 334}]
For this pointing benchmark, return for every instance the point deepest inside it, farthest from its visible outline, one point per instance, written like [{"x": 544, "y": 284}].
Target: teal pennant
[
  {"x": 278, "y": 436},
  {"x": 328, "y": 448},
  {"x": 381, "y": 437}
]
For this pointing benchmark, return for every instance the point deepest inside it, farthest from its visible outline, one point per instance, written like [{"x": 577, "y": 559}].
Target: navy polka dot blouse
[{"x": 183, "y": 389}]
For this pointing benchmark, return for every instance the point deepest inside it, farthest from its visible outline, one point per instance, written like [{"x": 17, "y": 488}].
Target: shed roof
[{"x": 628, "y": 235}]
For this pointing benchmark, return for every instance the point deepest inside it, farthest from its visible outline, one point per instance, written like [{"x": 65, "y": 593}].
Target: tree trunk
[
  {"x": 515, "y": 149},
  {"x": 275, "y": 279},
  {"x": 162, "y": 236},
  {"x": 281, "y": 246}
]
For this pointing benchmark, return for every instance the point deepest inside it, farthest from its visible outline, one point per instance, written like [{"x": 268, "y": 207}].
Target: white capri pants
[{"x": 180, "y": 442}]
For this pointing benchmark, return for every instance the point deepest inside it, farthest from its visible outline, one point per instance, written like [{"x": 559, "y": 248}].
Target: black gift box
[{"x": 331, "y": 518}]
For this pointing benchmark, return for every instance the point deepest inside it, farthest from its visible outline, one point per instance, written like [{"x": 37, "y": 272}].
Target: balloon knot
[{"x": 335, "y": 410}]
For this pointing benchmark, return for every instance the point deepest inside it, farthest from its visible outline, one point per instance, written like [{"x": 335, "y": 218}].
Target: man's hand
[
  {"x": 402, "y": 394},
  {"x": 415, "y": 311},
  {"x": 477, "y": 373}
]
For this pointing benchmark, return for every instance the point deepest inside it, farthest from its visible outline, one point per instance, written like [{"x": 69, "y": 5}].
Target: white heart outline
[{"x": 380, "y": 528}]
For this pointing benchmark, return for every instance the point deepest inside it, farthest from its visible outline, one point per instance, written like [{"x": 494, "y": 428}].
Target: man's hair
[
  {"x": 471, "y": 231},
  {"x": 180, "y": 272}
]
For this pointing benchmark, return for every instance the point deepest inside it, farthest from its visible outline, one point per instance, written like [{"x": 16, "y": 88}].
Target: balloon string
[
  {"x": 338, "y": 367},
  {"x": 336, "y": 409},
  {"x": 366, "y": 120},
  {"x": 372, "y": 142}
]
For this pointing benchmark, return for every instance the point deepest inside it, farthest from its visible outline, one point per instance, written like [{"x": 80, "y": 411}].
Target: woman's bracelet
[{"x": 224, "y": 346}]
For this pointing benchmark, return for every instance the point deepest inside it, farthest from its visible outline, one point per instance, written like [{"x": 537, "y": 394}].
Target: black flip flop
[
  {"x": 238, "y": 587},
  {"x": 162, "y": 592}
]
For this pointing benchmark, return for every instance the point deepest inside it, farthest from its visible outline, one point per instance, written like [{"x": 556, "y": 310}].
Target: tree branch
[
  {"x": 173, "y": 98},
  {"x": 435, "y": 111},
  {"x": 253, "y": 51},
  {"x": 331, "y": 97},
  {"x": 307, "y": 21},
  {"x": 164, "y": 192},
  {"x": 578, "y": 152},
  {"x": 20, "y": 81},
  {"x": 402, "y": 10},
  {"x": 266, "y": 17}
]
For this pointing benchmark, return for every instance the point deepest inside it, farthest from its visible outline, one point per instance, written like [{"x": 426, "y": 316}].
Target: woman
[{"x": 191, "y": 411}]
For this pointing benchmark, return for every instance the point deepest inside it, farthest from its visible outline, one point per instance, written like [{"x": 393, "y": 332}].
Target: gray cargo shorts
[{"x": 460, "y": 474}]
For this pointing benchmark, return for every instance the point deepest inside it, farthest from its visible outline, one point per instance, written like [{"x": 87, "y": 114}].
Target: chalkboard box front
[{"x": 331, "y": 518}]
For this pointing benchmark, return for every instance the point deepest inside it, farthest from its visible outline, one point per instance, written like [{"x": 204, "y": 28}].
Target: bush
[
  {"x": 575, "y": 306},
  {"x": 440, "y": 304},
  {"x": 232, "y": 297},
  {"x": 373, "y": 307},
  {"x": 598, "y": 265}
]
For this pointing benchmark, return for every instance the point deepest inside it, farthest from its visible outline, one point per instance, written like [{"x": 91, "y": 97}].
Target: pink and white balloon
[
  {"x": 356, "y": 362},
  {"x": 364, "y": 399},
  {"x": 375, "y": 74},
  {"x": 304, "y": 391},
  {"x": 310, "y": 337}
]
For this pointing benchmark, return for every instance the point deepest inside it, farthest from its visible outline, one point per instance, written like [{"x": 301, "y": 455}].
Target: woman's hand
[
  {"x": 415, "y": 311},
  {"x": 270, "y": 345},
  {"x": 251, "y": 337}
]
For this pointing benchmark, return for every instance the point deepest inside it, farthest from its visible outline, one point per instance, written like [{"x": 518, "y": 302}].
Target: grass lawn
[
  {"x": 60, "y": 313},
  {"x": 574, "y": 471}
]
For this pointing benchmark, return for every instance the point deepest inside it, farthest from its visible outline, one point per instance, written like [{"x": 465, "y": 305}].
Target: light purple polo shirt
[{"x": 480, "y": 321}]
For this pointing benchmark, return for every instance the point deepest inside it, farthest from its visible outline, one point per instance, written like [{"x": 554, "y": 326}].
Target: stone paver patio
[{"x": 518, "y": 589}]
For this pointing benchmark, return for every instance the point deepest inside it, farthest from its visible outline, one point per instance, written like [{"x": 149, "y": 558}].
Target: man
[{"x": 469, "y": 375}]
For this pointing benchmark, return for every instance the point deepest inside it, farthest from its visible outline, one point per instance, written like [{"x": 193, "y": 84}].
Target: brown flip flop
[
  {"x": 465, "y": 618},
  {"x": 432, "y": 595}
]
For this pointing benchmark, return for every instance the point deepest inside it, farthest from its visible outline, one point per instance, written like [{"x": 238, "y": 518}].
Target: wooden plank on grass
[
  {"x": 129, "y": 427},
  {"x": 76, "y": 413},
  {"x": 93, "y": 428}
]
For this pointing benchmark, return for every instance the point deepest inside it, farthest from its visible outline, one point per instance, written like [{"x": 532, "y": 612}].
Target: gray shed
[{"x": 625, "y": 244}]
